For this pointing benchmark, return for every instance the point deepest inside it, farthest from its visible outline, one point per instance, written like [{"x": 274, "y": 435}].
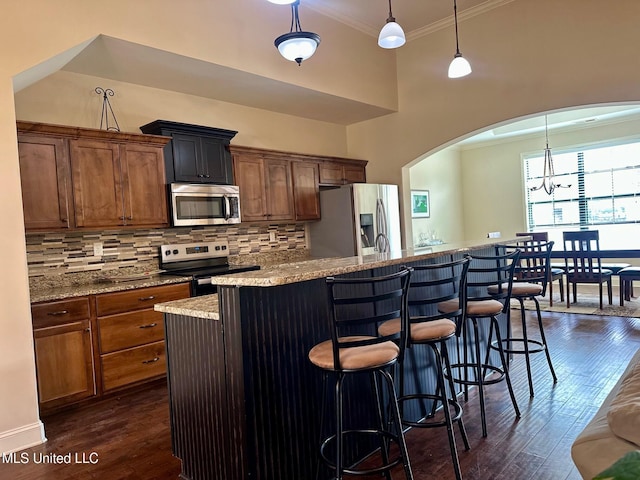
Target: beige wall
[
  {"x": 440, "y": 174},
  {"x": 494, "y": 174},
  {"x": 528, "y": 56},
  {"x": 69, "y": 99}
]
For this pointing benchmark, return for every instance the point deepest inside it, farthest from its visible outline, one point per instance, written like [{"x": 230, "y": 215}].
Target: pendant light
[
  {"x": 391, "y": 35},
  {"x": 548, "y": 182},
  {"x": 296, "y": 45},
  {"x": 282, "y": 2},
  {"x": 459, "y": 66}
]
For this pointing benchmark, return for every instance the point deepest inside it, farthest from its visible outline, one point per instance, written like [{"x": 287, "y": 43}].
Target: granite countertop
[
  {"x": 312, "y": 269},
  {"x": 205, "y": 306}
]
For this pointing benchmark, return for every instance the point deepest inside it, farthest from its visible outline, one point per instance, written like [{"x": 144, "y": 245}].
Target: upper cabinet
[
  {"x": 334, "y": 172},
  {"x": 282, "y": 186},
  {"x": 266, "y": 188},
  {"x": 100, "y": 179},
  {"x": 196, "y": 154}
]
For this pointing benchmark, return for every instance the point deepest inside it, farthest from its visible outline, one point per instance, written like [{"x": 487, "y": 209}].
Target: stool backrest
[
  {"x": 495, "y": 271},
  {"x": 535, "y": 236},
  {"x": 435, "y": 283},
  {"x": 534, "y": 262},
  {"x": 582, "y": 254},
  {"x": 359, "y": 305}
]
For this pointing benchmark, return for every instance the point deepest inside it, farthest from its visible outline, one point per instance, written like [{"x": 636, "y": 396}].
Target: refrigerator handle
[{"x": 382, "y": 241}]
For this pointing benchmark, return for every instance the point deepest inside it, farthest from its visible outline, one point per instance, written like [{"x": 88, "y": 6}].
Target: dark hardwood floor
[{"x": 129, "y": 435}]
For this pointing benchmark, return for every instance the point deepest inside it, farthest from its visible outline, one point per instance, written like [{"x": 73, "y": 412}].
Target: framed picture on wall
[{"x": 420, "y": 203}]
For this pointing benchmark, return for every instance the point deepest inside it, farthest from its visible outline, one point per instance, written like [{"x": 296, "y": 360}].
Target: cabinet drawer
[
  {"x": 127, "y": 330},
  {"x": 57, "y": 313},
  {"x": 120, "y": 302},
  {"x": 133, "y": 365}
]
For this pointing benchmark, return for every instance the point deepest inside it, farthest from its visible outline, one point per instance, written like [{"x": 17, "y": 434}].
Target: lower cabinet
[
  {"x": 90, "y": 346},
  {"x": 131, "y": 334},
  {"x": 63, "y": 351}
]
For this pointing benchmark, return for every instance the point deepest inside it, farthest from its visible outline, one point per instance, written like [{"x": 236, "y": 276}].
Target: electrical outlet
[
  {"x": 98, "y": 249},
  {"x": 272, "y": 237}
]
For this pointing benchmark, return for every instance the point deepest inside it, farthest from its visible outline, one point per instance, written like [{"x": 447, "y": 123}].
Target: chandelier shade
[
  {"x": 459, "y": 66},
  {"x": 282, "y": 2},
  {"x": 297, "y": 45},
  {"x": 391, "y": 35}
]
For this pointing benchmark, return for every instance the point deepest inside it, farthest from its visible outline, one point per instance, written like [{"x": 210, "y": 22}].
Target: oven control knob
[
  {"x": 217, "y": 247},
  {"x": 175, "y": 252},
  {"x": 224, "y": 247},
  {"x": 167, "y": 252}
]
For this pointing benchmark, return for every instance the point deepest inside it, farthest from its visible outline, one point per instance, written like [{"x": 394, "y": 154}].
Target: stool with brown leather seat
[
  {"x": 531, "y": 280},
  {"x": 431, "y": 285},
  {"x": 357, "y": 307},
  {"x": 485, "y": 273}
]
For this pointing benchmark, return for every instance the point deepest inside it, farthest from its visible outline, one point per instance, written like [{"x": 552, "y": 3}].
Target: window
[{"x": 604, "y": 194}]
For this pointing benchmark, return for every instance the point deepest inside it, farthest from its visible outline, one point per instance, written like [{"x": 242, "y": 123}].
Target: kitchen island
[{"x": 245, "y": 401}]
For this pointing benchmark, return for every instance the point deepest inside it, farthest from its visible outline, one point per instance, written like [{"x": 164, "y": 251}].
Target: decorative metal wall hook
[{"x": 106, "y": 108}]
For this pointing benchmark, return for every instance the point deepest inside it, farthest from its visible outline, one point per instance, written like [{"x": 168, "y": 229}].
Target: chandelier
[
  {"x": 297, "y": 45},
  {"x": 548, "y": 182}
]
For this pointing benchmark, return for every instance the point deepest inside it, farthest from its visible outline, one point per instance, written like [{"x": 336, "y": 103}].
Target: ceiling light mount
[
  {"x": 548, "y": 182},
  {"x": 459, "y": 66},
  {"x": 297, "y": 45},
  {"x": 391, "y": 35}
]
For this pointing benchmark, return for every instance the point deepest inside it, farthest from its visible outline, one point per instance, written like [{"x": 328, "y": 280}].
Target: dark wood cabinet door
[
  {"x": 64, "y": 363},
  {"x": 143, "y": 185},
  {"x": 250, "y": 177},
  {"x": 216, "y": 161},
  {"x": 354, "y": 174},
  {"x": 97, "y": 183},
  {"x": 187, "y": 162},
  {"x": 46, "y": 182},
  {"x": 279, "y": 189},
  {"x": 306, "y": 194},
  {"x": 331, "y": 173}
]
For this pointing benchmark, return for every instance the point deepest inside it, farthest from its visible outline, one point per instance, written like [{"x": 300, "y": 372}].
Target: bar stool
[
  {"x": 555, "y": 273},
  {"x": 357, "y": 307},
  {"x": 531, "y": 280},
  {"x": 627, "y": 276},
  {"x": 430, "y": 285},
  {"x": 485, "y": 272}
]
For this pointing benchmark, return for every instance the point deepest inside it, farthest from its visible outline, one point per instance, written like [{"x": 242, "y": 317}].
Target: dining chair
[
  {"x": 583, "y": 263},
  {"x": 555, "y": 273}
]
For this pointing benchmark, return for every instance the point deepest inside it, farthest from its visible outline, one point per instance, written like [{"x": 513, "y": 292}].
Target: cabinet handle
[
  {"x": 153, "y": 360},
  {"x": 130, "y": 218},
  {"x": 207, "y": 176},
  {"x": 200, "y": 175},
  {"x": 58, "y": 313},
  {"x": 144, "y": 299},
  {"x": 150, "y": 325}
]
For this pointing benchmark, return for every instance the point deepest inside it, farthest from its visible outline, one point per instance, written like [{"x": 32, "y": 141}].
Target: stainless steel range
[{"x": 200, "y": 261}]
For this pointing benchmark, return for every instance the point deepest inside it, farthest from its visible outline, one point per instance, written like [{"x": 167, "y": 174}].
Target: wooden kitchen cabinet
[
  {"x": 196, "y": 154},
  {"x": 118, "y": 184},
  {"x": 44, "y": 176},
  {"x": 266, "y": 188},
  {"x": 63, "y": 351},
  {"x": 306, "y": 190},
  {"x": 131, "y": 334},
  {"x": 340, "y": 173},
  {"x": 98, "y": 178}
]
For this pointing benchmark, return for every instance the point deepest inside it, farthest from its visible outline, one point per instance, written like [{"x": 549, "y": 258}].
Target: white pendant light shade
[
  {"x": 391, "y": 36},
  {"x": 459, "y": 66},
  {"x": 297, "y": 46},
  {"x": 282, "y": 2}
]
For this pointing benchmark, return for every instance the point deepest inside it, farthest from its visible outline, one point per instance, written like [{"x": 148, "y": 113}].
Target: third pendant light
[
  {"x": 391, "y": 35},
  {"x": 459, "y": 66}
]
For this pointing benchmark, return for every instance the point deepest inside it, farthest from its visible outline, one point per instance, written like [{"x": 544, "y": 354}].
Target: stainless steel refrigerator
[{"x": 358, "y": 219}]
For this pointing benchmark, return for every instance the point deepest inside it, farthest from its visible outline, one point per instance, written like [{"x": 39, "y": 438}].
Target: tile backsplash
[{"x": 66, "y": 252}]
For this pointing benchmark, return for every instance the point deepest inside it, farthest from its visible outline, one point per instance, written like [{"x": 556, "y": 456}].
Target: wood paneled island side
[{"x": 245, "y": 401}]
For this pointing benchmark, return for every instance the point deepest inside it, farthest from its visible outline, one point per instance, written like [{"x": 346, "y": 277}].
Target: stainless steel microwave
[{"x": 202, "y": 204}]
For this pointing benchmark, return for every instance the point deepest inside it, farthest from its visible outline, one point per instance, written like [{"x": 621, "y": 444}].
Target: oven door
[{"x": 204, "y": 205}]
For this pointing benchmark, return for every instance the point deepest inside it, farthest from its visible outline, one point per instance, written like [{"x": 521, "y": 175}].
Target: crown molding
[{"x": 420, "y": 32}]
